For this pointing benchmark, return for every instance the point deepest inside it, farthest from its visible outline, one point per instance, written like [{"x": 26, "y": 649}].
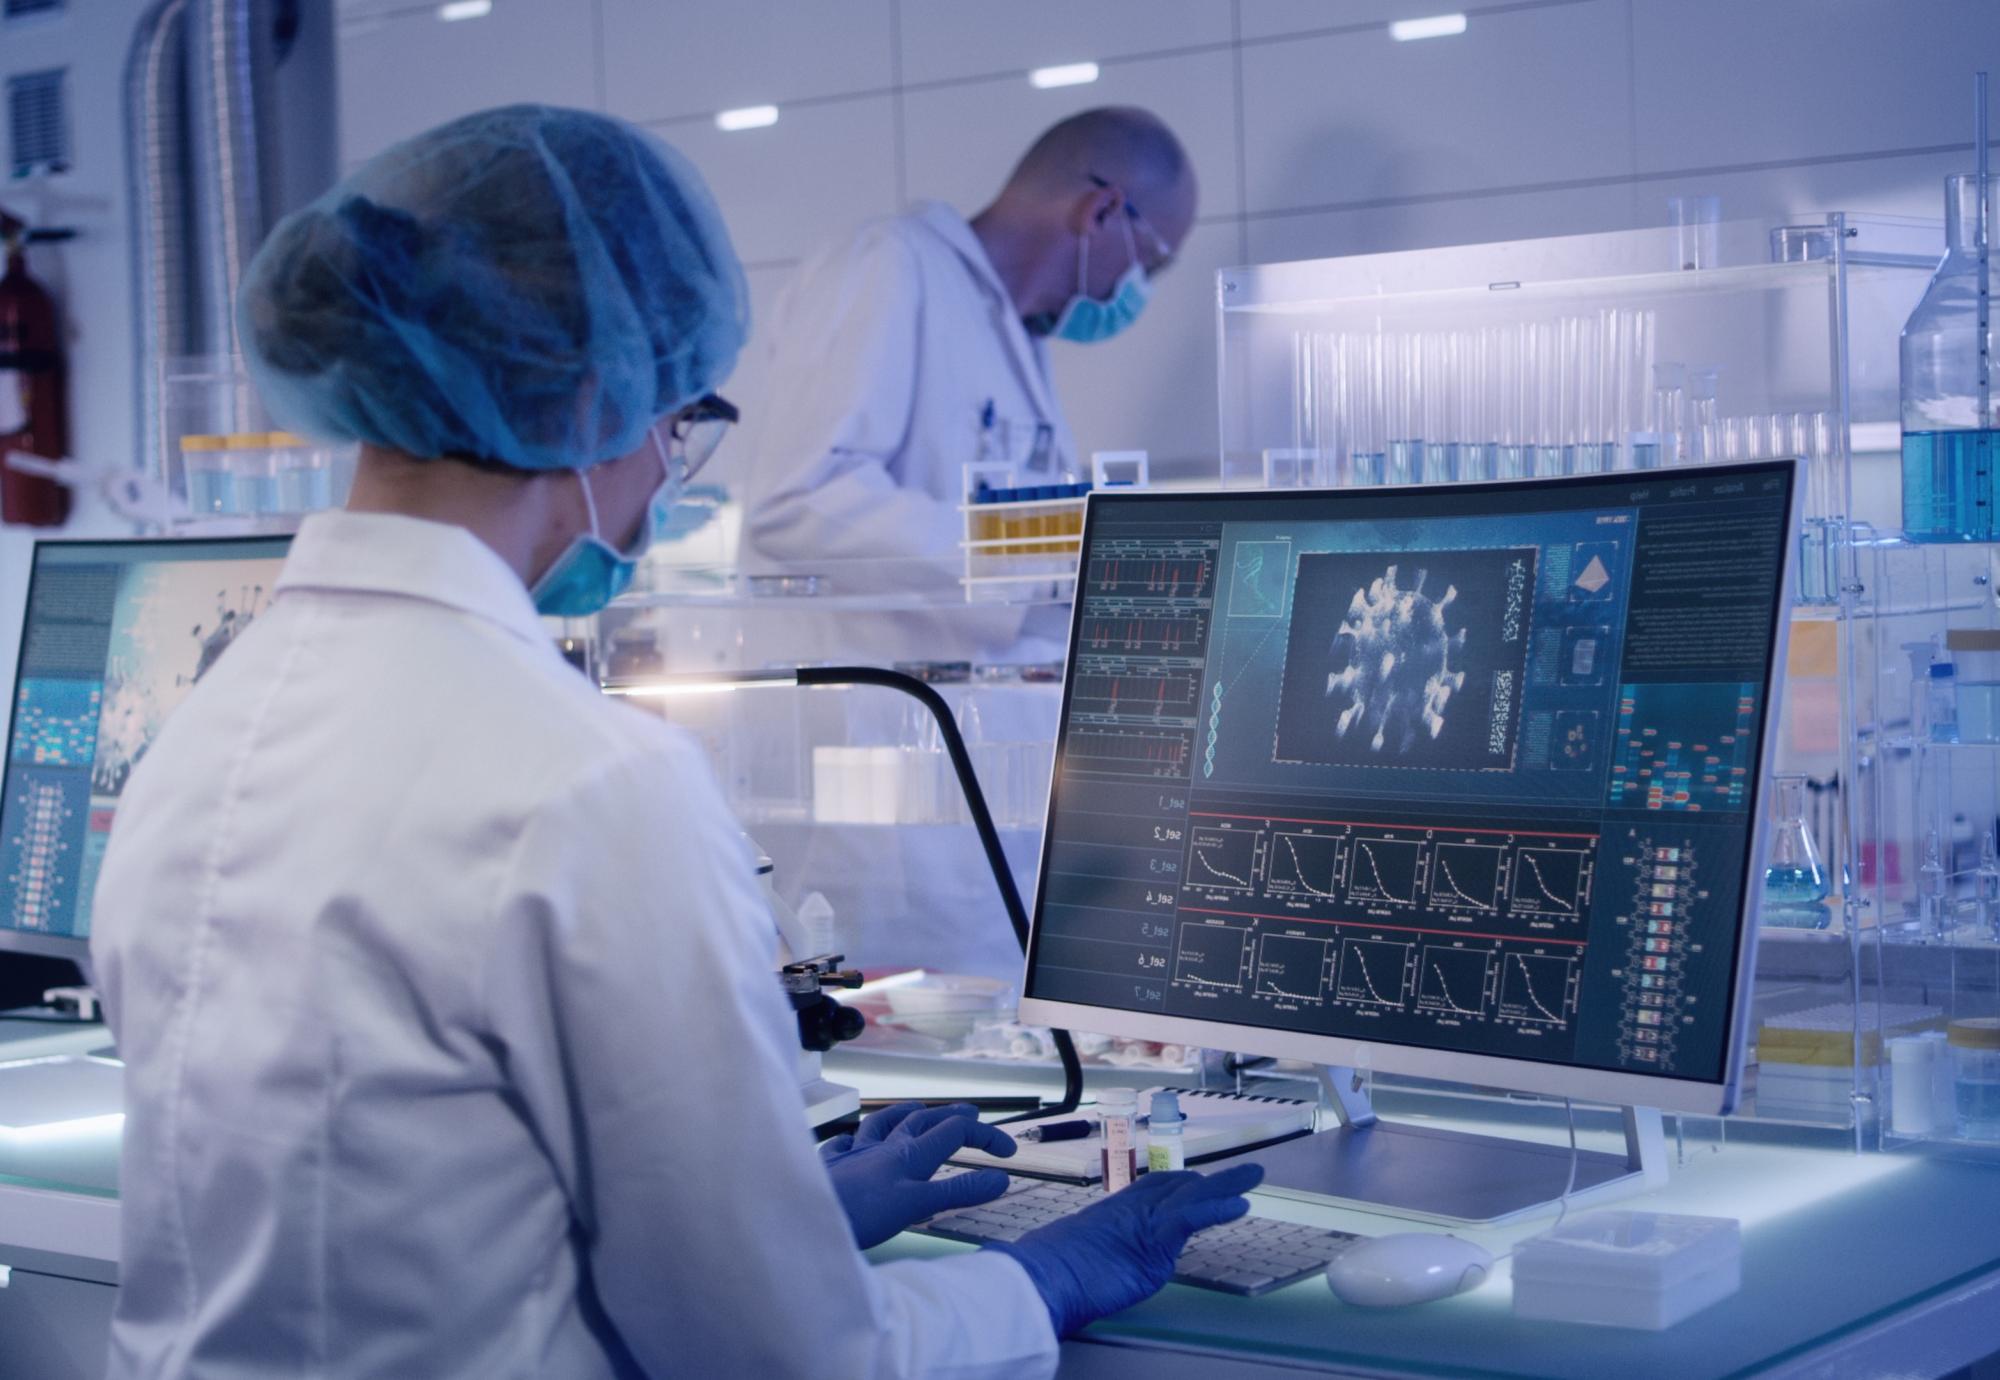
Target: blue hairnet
[{"x": 528, "y": 286}]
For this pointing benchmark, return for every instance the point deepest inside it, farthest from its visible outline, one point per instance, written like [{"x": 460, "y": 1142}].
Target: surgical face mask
[
  {"x": 1085, "y": 319},
  {"x": 590, "y": 574}
]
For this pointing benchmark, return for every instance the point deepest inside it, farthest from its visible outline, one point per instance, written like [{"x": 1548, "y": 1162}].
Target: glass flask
[
  {"x": 1794, "y": 882},
  {"x": 1951, "y": 425}
]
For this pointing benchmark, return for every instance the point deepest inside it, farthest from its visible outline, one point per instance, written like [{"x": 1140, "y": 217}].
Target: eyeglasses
[
  {"x": 700, "y": 427},
  {"x": 1163, "y": 253}
]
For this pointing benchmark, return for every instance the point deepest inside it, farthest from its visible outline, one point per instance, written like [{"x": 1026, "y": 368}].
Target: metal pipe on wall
[
  {"x": 224, "y": 76},
  {"x": 156, "y": 134}
]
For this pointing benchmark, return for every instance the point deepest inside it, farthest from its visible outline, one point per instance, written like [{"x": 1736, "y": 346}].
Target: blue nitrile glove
[
  {"x": 1118, "y": 1251},
  {"x": 882, "y": 1173}
]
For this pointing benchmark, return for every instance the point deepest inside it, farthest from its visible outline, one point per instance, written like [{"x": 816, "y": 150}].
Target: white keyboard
[{"x": 1252, "y": 1255}]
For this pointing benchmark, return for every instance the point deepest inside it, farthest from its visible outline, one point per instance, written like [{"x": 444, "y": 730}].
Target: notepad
[{"x": 1218, "y": 1123}]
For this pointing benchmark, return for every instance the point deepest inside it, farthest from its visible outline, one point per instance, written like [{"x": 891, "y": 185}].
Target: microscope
[{"x": 824, "y": 1022}]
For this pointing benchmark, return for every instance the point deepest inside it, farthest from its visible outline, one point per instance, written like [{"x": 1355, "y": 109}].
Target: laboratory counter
[{"x": 1852, "y": 1264}]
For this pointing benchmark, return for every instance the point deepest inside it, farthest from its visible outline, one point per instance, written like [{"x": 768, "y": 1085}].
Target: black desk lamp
[{"x": 968, "y": 784}]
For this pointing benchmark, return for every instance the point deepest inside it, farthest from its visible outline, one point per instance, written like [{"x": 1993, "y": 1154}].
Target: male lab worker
[{"x": 921, "y": 344}]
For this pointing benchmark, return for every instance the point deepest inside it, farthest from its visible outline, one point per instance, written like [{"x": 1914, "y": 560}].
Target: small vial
[
  {"x": 1165, "y": 1127},
  {"x": 1118, "y": 1112},
  {"x": 1942, "y": 706},
  {"x": 1933, "y": 885}
]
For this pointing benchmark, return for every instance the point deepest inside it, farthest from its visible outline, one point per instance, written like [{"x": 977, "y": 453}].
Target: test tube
[
  {"x": 1738, "y": 438},
  {"x": 1635, "y": 420},
  {"x": 1669, "y": 404},
  {"x": 1440, "y": 456},
  {"x": 1368, "y": 461},
  {"x": 1818, "y": 580},
  {"x": 1406, "y": 446},
  {"x": 1305, "y": 381},
  {"x": 1586, "y": 452},
  {"x": 1475, "y": 453},
  {"x": 1338, "y": 459},
  {"x": 1601, "y": 416},
  {"x": 1569, "y": 381},
  {"x": 1549, "y": 398},
  {"x": 1514, "y": 460},
  {"x": 1702, "y": 415},
  {"x": 1777, "y": 430},
  {"x": 1697, "y": 222}
]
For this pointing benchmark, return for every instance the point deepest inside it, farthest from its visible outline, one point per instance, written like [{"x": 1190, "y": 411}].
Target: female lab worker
[{"x": 452, "y": 1043}]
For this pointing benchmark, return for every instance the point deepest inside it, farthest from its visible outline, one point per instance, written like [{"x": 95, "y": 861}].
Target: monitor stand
[{"x": 1455, "y": 1177}]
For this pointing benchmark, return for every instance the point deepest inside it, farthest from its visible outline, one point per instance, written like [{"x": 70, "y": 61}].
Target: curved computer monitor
[
  {"x": 116, "y": 634},
  {"x": 1453, "y": 781}
]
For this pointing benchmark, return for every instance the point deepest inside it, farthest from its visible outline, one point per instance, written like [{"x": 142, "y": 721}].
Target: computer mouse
[{"x": 1407, "y": 1267}]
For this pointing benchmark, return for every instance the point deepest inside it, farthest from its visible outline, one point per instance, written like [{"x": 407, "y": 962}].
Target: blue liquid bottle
[
  {"x": 1794, "y": 882},
  {"x": 1951, "y": 416}
]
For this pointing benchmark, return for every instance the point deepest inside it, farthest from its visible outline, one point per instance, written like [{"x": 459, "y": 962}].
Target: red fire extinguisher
[{"x": 34, "y": 389}]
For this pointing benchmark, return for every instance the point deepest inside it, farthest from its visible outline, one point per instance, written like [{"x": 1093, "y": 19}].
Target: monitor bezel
[
  {"x": 76, "y": 948},
  {"x": 1670, "y": 1092}
]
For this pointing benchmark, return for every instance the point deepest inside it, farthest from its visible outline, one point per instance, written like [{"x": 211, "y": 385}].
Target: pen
[{"x": 1065, "y": 1130}]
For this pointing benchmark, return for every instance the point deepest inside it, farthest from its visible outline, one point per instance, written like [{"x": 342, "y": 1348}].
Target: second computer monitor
[
  {"x": 117, "y": 634},
  {"x": 1456, "y": 781}
]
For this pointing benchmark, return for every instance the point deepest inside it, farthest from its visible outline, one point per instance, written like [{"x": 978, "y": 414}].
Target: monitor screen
[
  {"x": 1470, "y": 771},
  {"x": 116, "y": 635}
]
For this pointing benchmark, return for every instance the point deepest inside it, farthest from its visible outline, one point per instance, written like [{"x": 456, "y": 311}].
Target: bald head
[
  {"x": 1115, "y": 177},
  {"x": 1123, "y": 145}
]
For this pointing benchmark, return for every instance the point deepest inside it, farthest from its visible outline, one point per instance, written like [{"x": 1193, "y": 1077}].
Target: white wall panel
[
  {"x": 943, "y": 39},
  {"x": 1271, "y": 18},
  {"x": 820, "y": 171},
  {"x": 1153, "y": 388},
  {"x": 1723, "y": 81},
  {"x": 964, "y": 140},
  {"x": 403, "y": 74},
  {"x": 1527, "y": 97},
  {"x": 665, "y": 58},
  {"x": 1912, "y": 185},
  {"x": 1429, "y": 224}
]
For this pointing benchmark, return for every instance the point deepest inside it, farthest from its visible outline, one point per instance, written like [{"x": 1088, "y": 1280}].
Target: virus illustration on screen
[{"x": 1400, "y": 664}]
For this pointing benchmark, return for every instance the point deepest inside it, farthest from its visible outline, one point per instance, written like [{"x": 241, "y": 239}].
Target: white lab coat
[
  {"x": 452, "y": 1042},
  {"x": 889, "y": 352},
  {"x": 898, "y": 358}
]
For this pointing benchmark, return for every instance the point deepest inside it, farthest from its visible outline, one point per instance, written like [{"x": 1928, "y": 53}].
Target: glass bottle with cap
[
  {"x": 1165, "y": 1133},
  {"x": 1975, "y": 1058},
  {"x": 1951, "y": 408},
  {"x": 1942, "y": 709},
  {"x": 1975, "y": 652},
  {"x": 1117, "y": 1113}
]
